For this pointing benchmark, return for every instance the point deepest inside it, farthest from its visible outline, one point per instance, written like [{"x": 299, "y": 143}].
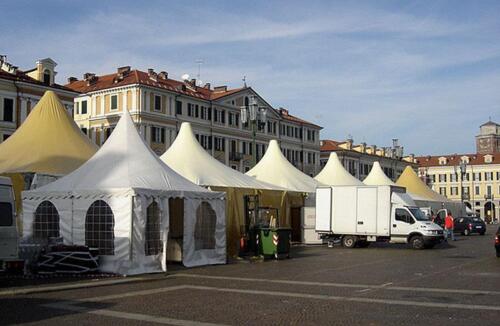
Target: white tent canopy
[
  {"x": 275, "y": 169},
  {"x": 122, "y": 180},
  {"x": 334, "y": 173},
  {"x": 188, "y": 158},
  {"x": 377, "y": 177}
]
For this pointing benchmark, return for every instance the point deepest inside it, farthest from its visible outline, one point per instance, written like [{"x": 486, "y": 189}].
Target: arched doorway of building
[{"x": 489, "y": 212}]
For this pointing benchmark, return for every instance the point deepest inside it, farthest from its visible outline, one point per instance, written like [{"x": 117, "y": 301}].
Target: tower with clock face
[{"x": 488, "y": 140}]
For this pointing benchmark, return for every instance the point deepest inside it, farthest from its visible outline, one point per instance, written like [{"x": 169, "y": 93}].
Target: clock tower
[{"x": 488, "y": 140}]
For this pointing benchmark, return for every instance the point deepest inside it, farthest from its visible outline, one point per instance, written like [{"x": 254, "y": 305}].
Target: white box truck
[
  {"x": 9, "y": 255},
  {"x": 358, "y": 215}
]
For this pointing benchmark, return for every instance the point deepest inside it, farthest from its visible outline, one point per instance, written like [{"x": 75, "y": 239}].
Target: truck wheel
[
  {"x": 417, "y": 242},
  {"x": 349, "y": 241}
]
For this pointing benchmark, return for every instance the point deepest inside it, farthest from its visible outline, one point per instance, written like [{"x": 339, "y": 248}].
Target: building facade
[
  {"x": 20, "y": 91},
  {"x": 359, "y": 158},
  {"x": 471, "y": 178},
  {"x": 159, "y": 105}
]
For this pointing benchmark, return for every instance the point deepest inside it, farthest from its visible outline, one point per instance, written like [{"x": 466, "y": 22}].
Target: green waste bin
[{"x": 274, "y": 242}]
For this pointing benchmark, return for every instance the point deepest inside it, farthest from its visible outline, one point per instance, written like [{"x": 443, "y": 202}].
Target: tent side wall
[
  {"x": 198, "y": 246},
  {"x": 72, "y": 212}
]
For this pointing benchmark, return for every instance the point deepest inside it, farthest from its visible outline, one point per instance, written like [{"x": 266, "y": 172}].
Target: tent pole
[{"x": 131, "y": 226}]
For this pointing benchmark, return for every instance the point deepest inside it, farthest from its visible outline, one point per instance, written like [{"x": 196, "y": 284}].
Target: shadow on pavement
[{"x": 15, "y": 310}]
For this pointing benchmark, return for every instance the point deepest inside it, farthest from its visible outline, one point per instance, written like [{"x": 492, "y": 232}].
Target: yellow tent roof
[
  {"x": 48, "y": 142},
  {"x": 414, "y": 185}
]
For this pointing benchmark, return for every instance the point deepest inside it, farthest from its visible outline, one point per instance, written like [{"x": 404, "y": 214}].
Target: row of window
[
  {"x": 100, "y": 223},
  {"x": 297, "y": 156},
  {"x": 466, "y": 190},
  {"x": 219, "y": 115},
  {"x": 474, "y": 176}
]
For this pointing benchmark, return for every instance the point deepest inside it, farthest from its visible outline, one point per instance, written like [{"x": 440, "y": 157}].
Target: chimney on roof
[
  {"x": 88, "y": 76},
  {"x": 151, "y": 71},
  {"x": 283, "y": 111},
  {"x": 193, "y": 82},
  {"x": 163, "y": 75},
  {"x": 72, "y": 80},
  {"x": 207, "y": 86},
  {"x": 349, "y": 141},
  {"x": 123, "y": 70},
  {"x": 363, "y": 147},
  {"x": 220, "y": 88}
]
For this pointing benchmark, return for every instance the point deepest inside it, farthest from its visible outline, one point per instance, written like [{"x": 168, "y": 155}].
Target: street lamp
[
  {"x": 463, "y": 169},
  {"x": 251, "y": 113}
]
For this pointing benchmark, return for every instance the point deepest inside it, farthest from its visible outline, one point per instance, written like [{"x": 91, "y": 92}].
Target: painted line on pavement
[
  {"x": 339, "y": 285},
  {"x": 350, "y": 299},
  {"x": 132, "y": 294},
  {"x": 71, "y": 304},
  {"x": 127, "y": 315},
  {"x": 72, "y": 286}
]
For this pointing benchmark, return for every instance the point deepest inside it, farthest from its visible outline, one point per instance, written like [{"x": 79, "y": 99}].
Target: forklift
[{"x": 263, "y": 234}]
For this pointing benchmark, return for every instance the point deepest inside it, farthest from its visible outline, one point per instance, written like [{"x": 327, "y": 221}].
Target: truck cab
[
  {"x": 410, "y": 225},
  {"x": 8, "y": 226}
]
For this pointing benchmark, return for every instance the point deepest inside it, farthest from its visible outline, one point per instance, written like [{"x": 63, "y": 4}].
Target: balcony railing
[{"x": 235, "y": 156}]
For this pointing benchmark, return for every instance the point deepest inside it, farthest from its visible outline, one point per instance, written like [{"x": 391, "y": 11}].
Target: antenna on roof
[
  {"x": 244, "y": 81},
  {"x": 199, "y": 62}
]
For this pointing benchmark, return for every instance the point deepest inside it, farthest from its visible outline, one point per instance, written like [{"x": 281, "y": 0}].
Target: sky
[{"x": 425, "y": 72}]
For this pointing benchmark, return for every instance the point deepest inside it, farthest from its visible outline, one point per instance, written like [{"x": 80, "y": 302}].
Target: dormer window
[
  {"x": 488, "y": 158},
  {"x": 443, "y": 160},
  {"x": 465, "y": 159},
  {"x": 46, "y": 76}
]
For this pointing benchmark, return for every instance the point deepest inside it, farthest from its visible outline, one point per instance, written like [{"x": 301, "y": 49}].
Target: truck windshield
[
  {"x": 418, "y": 214},
  {"x": 6, "y": 214}
]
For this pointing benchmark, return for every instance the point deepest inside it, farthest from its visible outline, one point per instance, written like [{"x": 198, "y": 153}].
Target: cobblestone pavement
[{"x": 456, "y": 283}]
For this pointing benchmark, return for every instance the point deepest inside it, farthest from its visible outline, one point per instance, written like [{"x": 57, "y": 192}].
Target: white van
[
  {"x": 9, "y": 258},
  {"x": 359, "y": 215}
]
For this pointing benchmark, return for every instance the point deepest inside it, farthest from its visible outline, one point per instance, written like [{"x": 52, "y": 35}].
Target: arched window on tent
[
  {"x": 46, "y": 223},
  {"x": 204, "y": 232},
  {"x": 153, "y": 245},
  {"x": 46, "y": 76},
  {"x": 99, "y": 228}
]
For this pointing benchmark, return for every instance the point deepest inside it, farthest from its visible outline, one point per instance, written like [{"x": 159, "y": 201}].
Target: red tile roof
[
  {"x": 21, "y": 76},
  {"x": 328, "y": 145},
  {"x": 144, "y": 78},
  {"x": 181, "y": 87},
  {"x": 287, "y": 116},
  {"x": 455, "y": 159}
]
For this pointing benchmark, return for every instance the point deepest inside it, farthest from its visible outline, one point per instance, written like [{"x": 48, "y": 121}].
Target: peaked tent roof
[
  {"x": 48, "y": 142},
  {"x": 414, "y": 185},
  {"x": 189, "y": 159},
  {"x": 275, "y": 169},
  {"x": 123, "y": 162},
  {"x": 377, "y": 177},
  {"x": 334, "y": 173}
]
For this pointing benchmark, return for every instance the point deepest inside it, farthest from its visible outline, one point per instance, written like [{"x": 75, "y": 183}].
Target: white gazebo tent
[
  {"x": 377, "y": 177},
  {"x": 275, "y": 169},
  {"x": 188, "y": 158},
  {"x": 334, "y": 174},
  {"x": 119, "y": 202}
]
